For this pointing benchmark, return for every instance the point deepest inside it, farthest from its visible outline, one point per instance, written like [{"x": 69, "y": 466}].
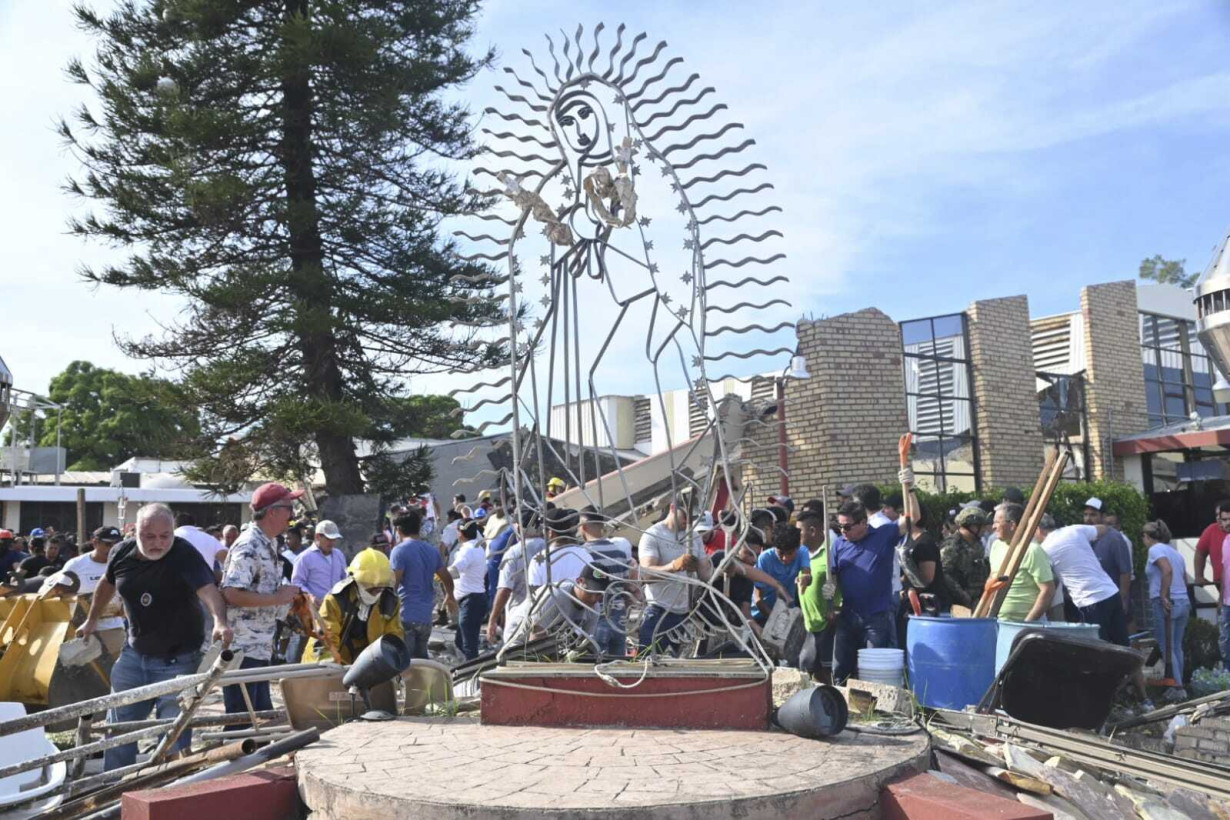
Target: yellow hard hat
[
  {"x": 556, "y": 481},
  {"x": 371, "y": 568}
]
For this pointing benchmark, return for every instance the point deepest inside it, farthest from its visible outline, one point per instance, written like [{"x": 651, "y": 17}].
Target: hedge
[{"x": 1067, "y": 504}]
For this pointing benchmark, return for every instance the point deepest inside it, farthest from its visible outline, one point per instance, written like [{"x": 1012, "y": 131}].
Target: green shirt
[
  {"x": 818, "y": 611},
  {"x": 1035, "y": 570}
]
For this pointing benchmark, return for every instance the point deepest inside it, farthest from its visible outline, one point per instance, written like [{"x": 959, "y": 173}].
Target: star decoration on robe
[
  {"x": 648, "y": 244},
  {"x": 545, "y": 279},
  {"x": 666, "y": 298},
  {"x": 686, "y": 278},
  {"x": 653, "y": 267},
  {"x": 545, "y": 301},
  {"x": 683, "y": 314},
  {"x": 688, "y": 244},
  {"x": 545, "y": 259},
  {"x": 568, "y": 193},
  {"x": 696, "y": 361},
  {"x": 644, "y": 221},
  {"x": 682, "y": 207}
]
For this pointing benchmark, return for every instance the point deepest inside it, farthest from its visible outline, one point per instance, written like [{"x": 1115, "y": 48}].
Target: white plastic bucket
[{"x": 885, "y": 666}]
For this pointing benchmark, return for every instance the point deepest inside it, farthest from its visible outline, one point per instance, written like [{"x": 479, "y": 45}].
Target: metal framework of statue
[{"x": 573, "y": 141}]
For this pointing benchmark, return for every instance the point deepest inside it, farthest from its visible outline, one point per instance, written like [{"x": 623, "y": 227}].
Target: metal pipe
[
  {"x": 783, "y": 462},
  {"x": 103, "y": 786},
  {"x": 111, "y": 701},
  {"x": 225, "y": 658},
  {"x": 271, "y": 752},
  {"x": 84, "y": 750},
  {"x": 199, "y": 720},
  {"x": 264, "y": 733},
  {"x": 156, "y": 690}
]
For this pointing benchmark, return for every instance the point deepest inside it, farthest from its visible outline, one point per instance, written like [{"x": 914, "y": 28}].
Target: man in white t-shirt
[
  {"x": 90, "y": 568},
  {"x": 201, "y": 541},
  {"x": 670, "y": 546},
  {"x": 1086, "y": 584},
  {"x": 469, "y": 567},
  {"x": 566, "y": 558}
]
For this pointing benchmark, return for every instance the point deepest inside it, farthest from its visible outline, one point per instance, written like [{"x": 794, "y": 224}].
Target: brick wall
[
  {"x": 1115, "y": 382},
  {"x": 843, "y": 423},
  {"x": 1208, "y": 740},
  {"x": 1006, "y": 404}
]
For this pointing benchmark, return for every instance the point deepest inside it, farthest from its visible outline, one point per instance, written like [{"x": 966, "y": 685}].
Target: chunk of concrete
[
  {"x": 1196, "y": 805},
  {"x": 1148, "y": 807},
  {"x": 787, "y": 682},
  {"x": 923, "y": 797}
]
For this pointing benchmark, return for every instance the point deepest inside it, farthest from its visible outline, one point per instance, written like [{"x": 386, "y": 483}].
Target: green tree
[
  {"x": 279, "y": 165},
  {"x": 109, "y": 416},
  {"x": 1167, "y": 271}
]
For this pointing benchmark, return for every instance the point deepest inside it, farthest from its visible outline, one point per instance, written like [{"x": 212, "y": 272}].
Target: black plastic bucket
[
  {"x": 817, "y": 712},
  {"x": 381, "y": 661}
]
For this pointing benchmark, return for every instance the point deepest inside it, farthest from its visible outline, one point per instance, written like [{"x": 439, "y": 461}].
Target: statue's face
[{"x": 580, "y": 126}]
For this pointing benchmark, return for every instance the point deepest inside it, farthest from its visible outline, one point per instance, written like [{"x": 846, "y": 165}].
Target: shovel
[{"x": 1168, "y": 670}]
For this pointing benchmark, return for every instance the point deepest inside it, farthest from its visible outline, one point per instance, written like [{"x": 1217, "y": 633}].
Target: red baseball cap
[
  {"x": 267, "y": 495},
  {"x": 6, "y": 535}
]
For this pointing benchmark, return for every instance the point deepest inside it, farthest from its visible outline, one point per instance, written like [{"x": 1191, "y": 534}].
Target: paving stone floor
[{"x": 455, "y": 768}]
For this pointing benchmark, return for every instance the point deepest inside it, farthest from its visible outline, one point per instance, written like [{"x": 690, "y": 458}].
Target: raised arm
[{"x": 909, "y": 510}]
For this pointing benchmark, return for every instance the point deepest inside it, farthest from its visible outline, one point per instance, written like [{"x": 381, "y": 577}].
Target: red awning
[{"x": 1168, "y": 442}]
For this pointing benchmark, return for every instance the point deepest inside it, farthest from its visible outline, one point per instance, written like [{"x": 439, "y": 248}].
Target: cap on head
[
  {"x": 562, "y": 519},
  {"x": 1013, "y": 495},
  {"x": 266, "y": 495},
  {"x": 37, "y": 532},
  {"x": 481, "y": 512},
  {"x": 971, "y": 517},
  {"x": 1094, "y": 503},
  {"x": 6, "y": 535},
  {"x": 329, "y": 530},
  {"x": 108, "y": 535},
  {"x": 704, "y": 524},
  {"x": 846, "y": 491},
  {"x": 556, "y": 483},
  {"x": 485, "y": 494}
]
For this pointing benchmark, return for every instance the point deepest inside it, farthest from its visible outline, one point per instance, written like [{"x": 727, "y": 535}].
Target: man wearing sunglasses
[
  {"x": 863, "y": 563},
  {"x": 252, "y": 586}
]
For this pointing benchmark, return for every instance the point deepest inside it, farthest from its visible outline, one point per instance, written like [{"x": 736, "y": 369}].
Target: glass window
[
  {"x": 1178, "y": 373},
  {"x": 939, "y": 402}
]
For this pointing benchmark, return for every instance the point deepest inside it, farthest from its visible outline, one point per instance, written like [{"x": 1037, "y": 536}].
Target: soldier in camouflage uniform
[
  {"x": 964, "y": 558},
  {"x": 252, "y": 586}
]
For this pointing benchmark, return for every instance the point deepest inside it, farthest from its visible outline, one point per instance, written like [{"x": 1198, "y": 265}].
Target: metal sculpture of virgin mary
[{"x": 639, "y": 276}]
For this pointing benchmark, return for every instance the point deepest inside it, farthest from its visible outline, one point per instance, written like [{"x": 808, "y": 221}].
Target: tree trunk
[{"x": 316, "y": 340}]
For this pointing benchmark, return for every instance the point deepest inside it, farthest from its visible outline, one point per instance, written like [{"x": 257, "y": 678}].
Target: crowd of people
[{"x": 281, "y": 589}]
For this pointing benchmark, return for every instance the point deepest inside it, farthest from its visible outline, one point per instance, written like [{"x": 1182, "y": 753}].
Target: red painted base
[
  {"x": 674, "y": 698},
  {"x": 269, "y": 794},
  {"x": 927, "y": 797}
]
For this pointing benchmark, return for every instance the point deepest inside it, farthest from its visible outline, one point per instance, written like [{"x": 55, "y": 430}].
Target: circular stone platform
[{"x": 448, "y": 769}]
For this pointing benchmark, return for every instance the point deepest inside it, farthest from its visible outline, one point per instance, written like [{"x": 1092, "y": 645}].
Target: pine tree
[{"x": 282, "y": 165}]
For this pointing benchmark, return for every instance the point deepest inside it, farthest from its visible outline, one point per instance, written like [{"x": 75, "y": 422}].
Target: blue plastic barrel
[
  {"x": 951, "y": 660},
  {"x": 1008, "y": 630}
]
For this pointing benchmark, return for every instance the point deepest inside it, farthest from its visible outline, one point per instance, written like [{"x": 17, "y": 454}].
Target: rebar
[{"x": 221, "y": 664}]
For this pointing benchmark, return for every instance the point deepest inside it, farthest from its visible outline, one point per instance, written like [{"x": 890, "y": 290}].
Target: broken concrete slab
[
  {"x": 1149, "y": 807},
  {"x": 971, "y": 777}
]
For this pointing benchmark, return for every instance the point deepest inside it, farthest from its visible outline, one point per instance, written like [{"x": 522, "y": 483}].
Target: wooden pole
[
  {"x": 80, "y": 517},
  {"x": 980, "y": 609},
  {"x": 1023, "y": 538}
]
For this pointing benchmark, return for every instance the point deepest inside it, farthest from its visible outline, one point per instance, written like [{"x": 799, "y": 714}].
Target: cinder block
[
  {"x": 269, "y": 794},
  {"x": 926, "y": 797}
]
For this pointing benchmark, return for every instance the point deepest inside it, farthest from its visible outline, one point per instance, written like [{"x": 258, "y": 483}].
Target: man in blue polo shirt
[{"x": 863, "y": 562}]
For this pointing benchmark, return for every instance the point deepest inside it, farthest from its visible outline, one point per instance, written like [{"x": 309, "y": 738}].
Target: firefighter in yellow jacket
[{"x": 358, "y": 610}]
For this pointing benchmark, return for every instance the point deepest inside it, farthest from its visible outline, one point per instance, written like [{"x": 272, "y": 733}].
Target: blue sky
[{"x": 926, "y": 155}]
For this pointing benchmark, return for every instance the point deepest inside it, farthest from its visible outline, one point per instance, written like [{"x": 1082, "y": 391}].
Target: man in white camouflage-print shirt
[{"x": 252, "y": 586}]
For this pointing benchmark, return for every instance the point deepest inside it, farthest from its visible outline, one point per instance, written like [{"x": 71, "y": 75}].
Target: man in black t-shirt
[{"x": 160, "y": 579}]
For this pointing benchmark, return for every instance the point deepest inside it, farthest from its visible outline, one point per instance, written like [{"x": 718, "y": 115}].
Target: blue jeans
[
  {"x": 232, "y": 695},
  {"x": 470, "y": 622},
  {"x": 854, "y": 633},
  {"x": 656, "y": 628},
  {"x": 417, "y": 636},
  {"x": 1224, "y": 643},
  {"x": 1180, "y": 611},
  {"x": 612, "y": 633},
  {"x": 493, "y": 578},
  {"x": 132, "y": 669},
  {"x": 1110, "y": 618}
]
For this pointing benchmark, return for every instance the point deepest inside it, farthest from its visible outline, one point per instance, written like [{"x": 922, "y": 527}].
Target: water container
[
  {"x": 951, "y": 660},
  {"x": 882, "y": 666},
  {"x": 1008, "y": 630}
]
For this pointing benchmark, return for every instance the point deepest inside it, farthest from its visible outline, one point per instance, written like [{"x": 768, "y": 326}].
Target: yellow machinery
[{"x": 31, "y": 634}]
